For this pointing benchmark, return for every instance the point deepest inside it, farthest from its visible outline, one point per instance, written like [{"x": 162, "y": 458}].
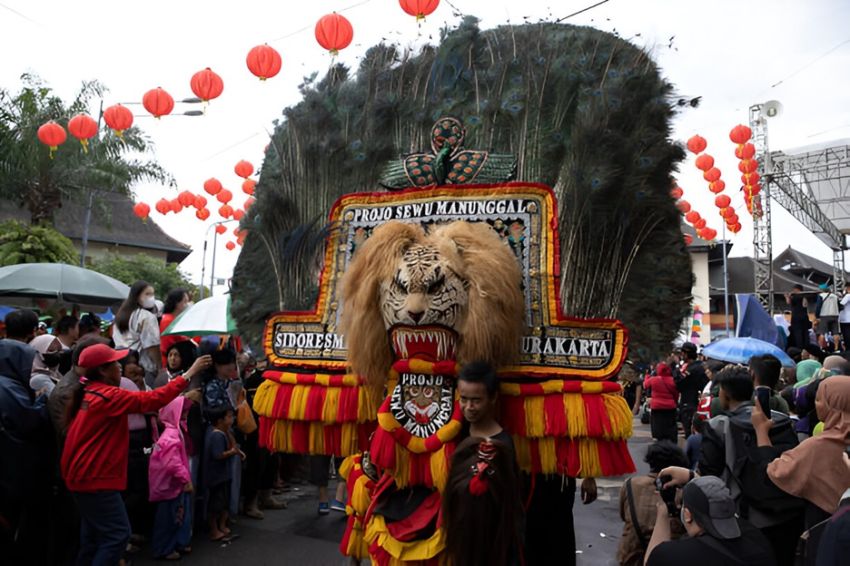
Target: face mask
[
  {"x": 148, "y": 302},
  {"x": 51, "y": 359}
]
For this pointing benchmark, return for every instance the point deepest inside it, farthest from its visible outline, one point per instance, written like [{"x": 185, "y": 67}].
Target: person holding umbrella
[{"x": 137, "y": 328}]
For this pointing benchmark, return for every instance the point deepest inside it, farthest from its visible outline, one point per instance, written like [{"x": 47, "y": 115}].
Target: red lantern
[
  {"x": 755, "y": 189},
  {"x": 736, "y": 228},
  {"x": 185, "y": 198},
  {"x": 230, "y": 246},
  {"x": 248, "y": 186},
  {"x": 202, "y": 214},
  {"x": 722, "y": 201},
  {"x": 700, "y": 224},
  {"x": 212, "y": 186},
  {"x": 740, "y": 134},
  {"x": 238, "y": 214},
  {"x": 334, "y": 32},
  {"x": 750, "y": 178},
  {"x": 52, "y": 135},
  {"x": 683, "y": 206},
  {"x": 225, "y": 211},
  {"x": 732, "y": 220},
  {"x": 704, "y": 162},
  {"x": 236, "y": 231},
  {"x": 688, "y": 240},
  {"x": 176, "y": 206},
  {"x": 748, "y": 166},
  {"x": 224, "y": 196},
  {"x": 709, "y": 234},
  {"x": 142, "y": 210},
  {"x": 244, "y": 169},
  {"x": 697, "y": 144},
  {"x": 83, "y": 127},
  {"x": 249, "y": 202},
  {"x": 119, "y": 118},
  {"x": 158, "y": 102},
  {"x": 263, "y": 61},
  {"x": 221, "y": 228},
  {"x": 712, "y": 175},
  {"x": 677, "y": 192},
  {"x": 692, "y": 216},
  {"x": 746, "y": 151},
  {"x": 419, "y": 8},
  {"x": 163, "y": 206},
  {"x": 200, "y": 202},
  {"x": 727, "y": 212},
  {"x": 206, "y": 84},
  {"x": 717, "y": 186}
]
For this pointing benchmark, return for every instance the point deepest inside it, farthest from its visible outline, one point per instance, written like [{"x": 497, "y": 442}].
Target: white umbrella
[{"x": 209, "y": 316}]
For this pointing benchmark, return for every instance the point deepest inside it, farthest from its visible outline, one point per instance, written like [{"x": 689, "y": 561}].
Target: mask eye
[
  {"x": 399, "y": 285},
  {"x": 436, "y": 285}
]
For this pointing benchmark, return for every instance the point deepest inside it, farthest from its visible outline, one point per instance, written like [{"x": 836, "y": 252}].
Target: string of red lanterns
[
  {"x": 705, "y": 163},
  {"x": 693, "y": 217},
  {"x": 747, "y": 165}
]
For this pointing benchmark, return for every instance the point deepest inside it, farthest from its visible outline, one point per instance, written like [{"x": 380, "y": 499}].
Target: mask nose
[{"x": 416, "y": 316}]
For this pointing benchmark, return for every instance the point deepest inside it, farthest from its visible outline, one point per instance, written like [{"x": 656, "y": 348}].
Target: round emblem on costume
[{"x": 422, "y": 403}]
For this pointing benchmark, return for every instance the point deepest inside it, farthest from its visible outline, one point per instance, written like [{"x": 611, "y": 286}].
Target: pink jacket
[{"x": 168, "y": 470}]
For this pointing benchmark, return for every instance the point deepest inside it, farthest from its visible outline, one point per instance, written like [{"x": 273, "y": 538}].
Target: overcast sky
[{"x": 730, "y": 52}]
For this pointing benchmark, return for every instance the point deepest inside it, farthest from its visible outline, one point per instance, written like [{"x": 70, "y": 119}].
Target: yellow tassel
[
  {"x": 401, "y": 473},
  {"x": 548, "y": 457},
  {"x": 439, "y": 469},
  {"x": 316, "y": 440},
  {"x": 589, "y": 453},
  {"x": 576, "y": 419},
  {"x": 535, "y": 417},
  {"x": 330, "y": 409},
  {"x": 360, "y": 497},
  {"x": 348, "y": 441},
  {"x": 264, "y": 398},
  {"x": 297, "y": 403},
  {"x": 347, "y": 466},
  {"x": 619, "y": 414}
]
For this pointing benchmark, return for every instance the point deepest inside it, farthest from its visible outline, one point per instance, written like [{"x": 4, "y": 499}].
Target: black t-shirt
[
  {"x": 692, "y": 382},
  {"x": 750, "y": 549},
  {"x": 799, "y": 313}
]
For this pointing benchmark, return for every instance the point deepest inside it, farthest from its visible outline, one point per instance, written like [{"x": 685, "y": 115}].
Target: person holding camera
[{"x": 715, "y": 534}]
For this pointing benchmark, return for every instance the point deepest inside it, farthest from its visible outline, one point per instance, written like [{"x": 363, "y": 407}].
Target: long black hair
[
  {"x": 172, "y": 299},
  {"x": 131, "y": 303},
  {"x": 482, "y": 529}
]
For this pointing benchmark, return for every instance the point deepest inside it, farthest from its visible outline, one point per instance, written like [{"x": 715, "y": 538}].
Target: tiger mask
[{"x": 460, "y": 276}]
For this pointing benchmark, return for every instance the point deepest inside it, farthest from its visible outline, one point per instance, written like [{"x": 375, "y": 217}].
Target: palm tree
[{"x": 30, "y": 177}]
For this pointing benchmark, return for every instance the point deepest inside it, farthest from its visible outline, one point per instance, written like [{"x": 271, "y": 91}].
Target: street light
[{"x": 204, "y": 258}]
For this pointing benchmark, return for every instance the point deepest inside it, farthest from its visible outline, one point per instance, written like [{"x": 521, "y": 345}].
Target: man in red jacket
[
  {"x": 662, "y": 404},
  {"x": 94, "y": 459}
]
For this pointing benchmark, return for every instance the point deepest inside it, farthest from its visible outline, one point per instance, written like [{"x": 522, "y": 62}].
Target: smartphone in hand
[{"x": 763, "y": 399}]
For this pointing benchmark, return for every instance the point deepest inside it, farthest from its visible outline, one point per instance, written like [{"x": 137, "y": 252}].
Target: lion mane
[{"x": 491, "y": 322}]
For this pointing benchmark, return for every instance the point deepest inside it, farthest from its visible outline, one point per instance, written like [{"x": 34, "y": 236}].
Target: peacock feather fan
[{"x": 583, "y": 111}]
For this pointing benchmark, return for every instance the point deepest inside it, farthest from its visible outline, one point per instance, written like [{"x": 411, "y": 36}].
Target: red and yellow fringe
[
  {"x": 310, "y": 413},
  {"x": 385, "y": 550},
  {"x": 359, "y": 488}
]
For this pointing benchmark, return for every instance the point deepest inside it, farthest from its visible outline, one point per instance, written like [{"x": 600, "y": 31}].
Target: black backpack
[{"x": 759, "y": 500}]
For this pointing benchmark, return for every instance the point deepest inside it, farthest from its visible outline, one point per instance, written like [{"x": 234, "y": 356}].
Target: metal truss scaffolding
[{"x": 814, "y": 187}]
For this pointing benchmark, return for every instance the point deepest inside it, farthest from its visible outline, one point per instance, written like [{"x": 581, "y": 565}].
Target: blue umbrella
[{"x": 740, "y": 350}]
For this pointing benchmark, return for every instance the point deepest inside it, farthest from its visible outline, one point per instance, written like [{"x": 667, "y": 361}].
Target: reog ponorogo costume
[{"x": 438, "y": 258}]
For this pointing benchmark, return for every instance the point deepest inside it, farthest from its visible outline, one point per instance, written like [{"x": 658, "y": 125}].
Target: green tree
[
  {"x": 162, "y": 276},
  {"x": 30, "y": 177},
  {"x": 20, "y": 243}
]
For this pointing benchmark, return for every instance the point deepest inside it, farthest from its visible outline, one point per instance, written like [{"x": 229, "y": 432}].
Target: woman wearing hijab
[
  {"x": 45, "y": 374},
  {"x": 817, "y": 470},
  {"x": 178, "y": 358},
  {"x": 662, "y": 403},
  {"x": 808, "y": 373}
]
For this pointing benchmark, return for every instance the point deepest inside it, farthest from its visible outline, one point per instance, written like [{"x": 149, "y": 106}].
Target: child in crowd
[
  {"x": 171, "y": 484},
  {"x": 219, "y": 447}
]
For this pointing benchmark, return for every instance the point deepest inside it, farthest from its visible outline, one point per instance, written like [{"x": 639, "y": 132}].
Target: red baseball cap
[{"x": 99, "y": 354}]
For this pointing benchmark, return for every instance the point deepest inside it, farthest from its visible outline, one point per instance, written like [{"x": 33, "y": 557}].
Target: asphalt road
[{"x": 299, "y": 536}]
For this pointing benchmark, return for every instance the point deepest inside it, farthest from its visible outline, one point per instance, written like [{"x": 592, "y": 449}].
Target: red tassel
[{"x": 556, "y": 418}]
